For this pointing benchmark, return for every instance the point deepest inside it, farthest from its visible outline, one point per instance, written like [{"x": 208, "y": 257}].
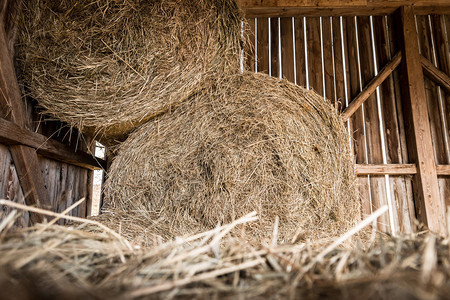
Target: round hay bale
[
  {"x": 250, "y": 143},
  {"x": 107, "y": 66}
]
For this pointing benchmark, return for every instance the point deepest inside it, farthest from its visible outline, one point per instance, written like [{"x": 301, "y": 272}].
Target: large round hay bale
[
  {"x": 251, "y": 143},
  {"x": 106, "y": 66}
]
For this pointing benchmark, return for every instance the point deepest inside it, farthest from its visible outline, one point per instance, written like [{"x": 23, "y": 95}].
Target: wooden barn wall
[
  {"x": 434, "y": 37},
  {"x": 64, "y": 183},
  {"x": 337, "y": 57}
]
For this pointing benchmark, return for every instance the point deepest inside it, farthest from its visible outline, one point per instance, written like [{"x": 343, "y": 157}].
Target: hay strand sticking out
[
  {"x": 251, "y": 142},
  {"x": 106, "y": 66}
]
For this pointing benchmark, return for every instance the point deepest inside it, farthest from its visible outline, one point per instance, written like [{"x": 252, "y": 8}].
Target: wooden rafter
[
  {"x": 371, "y": 87},
  {"x": 293, "y": 8},
  {"x": 420, "y": 146},
  {"x": 435, "y": 74}
]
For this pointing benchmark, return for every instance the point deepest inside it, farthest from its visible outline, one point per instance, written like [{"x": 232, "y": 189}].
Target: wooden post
[
  {"x": 12, "y": 108},
  {"x": 428, "y": 204}
]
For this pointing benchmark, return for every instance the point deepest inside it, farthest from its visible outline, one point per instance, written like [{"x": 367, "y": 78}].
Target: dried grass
[
  {"x": 107, "y": 66},
  {"x": 249, "y": 143},
  {"x": 85, "y": 261}
]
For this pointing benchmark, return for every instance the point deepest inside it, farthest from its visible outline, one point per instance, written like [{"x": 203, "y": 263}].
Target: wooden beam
[
  {"x": 420, "y": 146},
  {"x": 12, "y": 134},
  {"x": 435, "y": 74},
  {"x": 292, "y": 8},
  {"x": 385, "y": 169},
  {"x": 395, "y": 169},
  {"x": 12, "y": 107},
  {"x": 371, "y": 87},
  {"x": 443, "y": 170}
]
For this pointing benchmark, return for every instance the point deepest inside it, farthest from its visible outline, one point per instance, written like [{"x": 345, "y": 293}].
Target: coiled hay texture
[
  {"x": 251, "y": 143},
  {"x": 106, "y": 66}
]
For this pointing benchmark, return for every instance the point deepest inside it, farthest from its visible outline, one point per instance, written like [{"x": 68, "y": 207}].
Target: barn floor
[{"x": 93, "y": 262}]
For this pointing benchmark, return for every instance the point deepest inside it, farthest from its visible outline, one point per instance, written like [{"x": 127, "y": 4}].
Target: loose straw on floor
[{"x": 62, "y": 216}]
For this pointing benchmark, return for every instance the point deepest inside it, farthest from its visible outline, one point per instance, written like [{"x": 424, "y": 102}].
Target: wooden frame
[
  {"x": 323, "y": 8},
  {"x": 13, "y": 134},
  {"x": 428, "y": 204}
]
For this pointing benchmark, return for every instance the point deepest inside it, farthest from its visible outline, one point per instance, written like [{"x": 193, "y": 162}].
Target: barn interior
[{"x": 74, "y": 224}]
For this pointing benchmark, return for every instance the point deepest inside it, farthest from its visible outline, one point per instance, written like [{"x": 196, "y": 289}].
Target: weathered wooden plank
[
  {"x": 372, "y": 123},
  {"x": 399, "y": 191},
  {"x": 425, "y": 184},
  {"x": 431, "y": 89},
  {"x": 12, "y": 134},
  {"x": 274, "y": 48},
  {"x": 31, "y": 179},
  {"x": 371, "y": 87},
  {"x": 435, "y": 74},
  {"x": 338, "y": 63},
  {"x": 13, "y": 108},
  {"x": 62, "y": 192},
  {"x": 287, "y": 49},
  {"x": 345, "y": 84},
  {"x": 296, "y": 3},
  {"x": 300, "y": 59},
  {"x": 409, "y": 206},
  {"x": 10, "y": 188},
  {"x": 83, "y": 193},
  {"x": 356, "y": 121},
  {"x": 314, "y": 54},
  {"x": 278, "y": 8},
  {"x": 354, "y": 89},
  {"x": 249, "y": 47},
  {"x": 328, "y": 58},
  {"x": 443, "y": 170},
  {"x": 89, "y": 193},
  {"x": 442, "y": 45},
  {"x": 385, "y": 169},
  {"x": 263, "y": 45}
]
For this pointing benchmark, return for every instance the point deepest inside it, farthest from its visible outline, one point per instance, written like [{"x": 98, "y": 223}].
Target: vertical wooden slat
[
  {"x": 249, "y": 46},
  {"x": 442, "y": 49},
  {"x": 287, "y": 49},
  {"x": 300, "y": 52},
  {"x": 426, "y": 189},
  {"x": 395, "y": 47},
  {"x": 263, "y": 45},
  {"x": 90, "y": 193},
  {"x": 328, "y": 58},
  {"x": 10, "y": 188},
  {"x": 274, "y": 47},
  {"x": 356, "y": 120},
  {"x": 372, "y": 124},
  {"x": 314, "y": 54},
  {"x": 62, "y": 195},
  {"x": 338, "y": 63},
  {"x": 399, "y": 190}
]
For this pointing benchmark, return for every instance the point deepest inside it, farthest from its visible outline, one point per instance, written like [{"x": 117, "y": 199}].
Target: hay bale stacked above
[
  {"x": 251, "y": 142},
  {"x": 106, "y": 66}
]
